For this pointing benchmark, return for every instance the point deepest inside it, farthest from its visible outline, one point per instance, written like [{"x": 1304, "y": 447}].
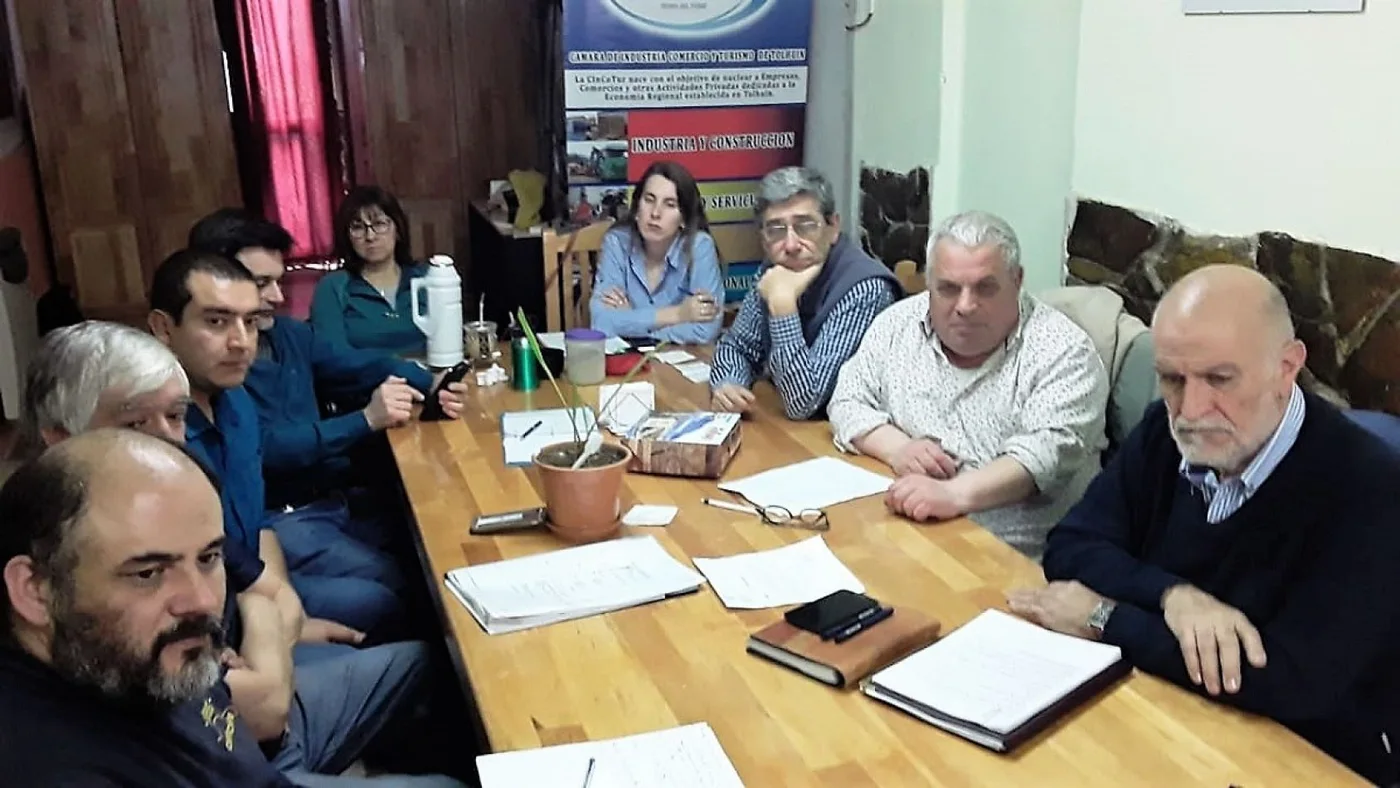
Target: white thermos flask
[{"x": 437, "y": 311}]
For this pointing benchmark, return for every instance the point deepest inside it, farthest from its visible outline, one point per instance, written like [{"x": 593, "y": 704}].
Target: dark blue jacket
[
  {"x": 1312, "y": 558},
  {"x": 303, "y": 453}
]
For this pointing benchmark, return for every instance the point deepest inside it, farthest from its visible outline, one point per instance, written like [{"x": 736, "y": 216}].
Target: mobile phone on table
[
  {"x": 641, "y": 344},
  {"x": 509, "y": 521},
  {"x": 829, "y": 615},
  {"x": 432, "y": 404}
]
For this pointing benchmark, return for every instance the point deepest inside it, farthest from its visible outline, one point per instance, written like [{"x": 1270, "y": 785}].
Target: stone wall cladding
[
  {"x": 894, "y": 214},
  {"x": 1345, "y": 304}
]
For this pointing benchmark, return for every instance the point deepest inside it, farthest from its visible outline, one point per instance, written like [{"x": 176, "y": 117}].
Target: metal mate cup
[{"x": 479, "y": 340}]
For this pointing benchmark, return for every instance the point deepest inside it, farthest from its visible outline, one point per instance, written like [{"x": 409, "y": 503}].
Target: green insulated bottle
[{"x": 526, "y": 375}]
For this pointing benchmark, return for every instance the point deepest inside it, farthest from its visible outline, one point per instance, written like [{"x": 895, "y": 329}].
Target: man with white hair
[
  {"x": 1243, "y": 542},
  {"x": 984, "y": 401},
  {"x": 96, "y": 375}
]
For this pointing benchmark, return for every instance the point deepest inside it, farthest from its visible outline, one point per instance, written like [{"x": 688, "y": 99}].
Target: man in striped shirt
[{"x": 814, "y": 300}]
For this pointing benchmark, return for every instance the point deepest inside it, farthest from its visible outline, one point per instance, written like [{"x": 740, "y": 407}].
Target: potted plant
[{"x": 582, "y": 477}]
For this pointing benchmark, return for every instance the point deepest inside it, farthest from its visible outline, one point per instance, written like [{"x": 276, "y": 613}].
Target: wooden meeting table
[{"x": 683, "y": 660}]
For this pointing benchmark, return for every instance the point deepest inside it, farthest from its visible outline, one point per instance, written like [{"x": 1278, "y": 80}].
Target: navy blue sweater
[
  {"x": 1312, "y": 558},
  {"x": 303, "y": 454}
]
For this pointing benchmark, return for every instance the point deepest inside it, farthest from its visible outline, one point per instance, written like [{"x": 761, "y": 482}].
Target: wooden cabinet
[{"x": 132, "y": 135}]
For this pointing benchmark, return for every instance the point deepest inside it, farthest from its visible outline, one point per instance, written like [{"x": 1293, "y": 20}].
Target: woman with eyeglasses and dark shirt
[
  {"x": 659, "y": 273},
  {"x": 368, "y": 303}
]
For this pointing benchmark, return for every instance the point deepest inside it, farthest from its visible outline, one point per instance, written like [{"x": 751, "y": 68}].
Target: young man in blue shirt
[
  {"x": 308, "y": 459},
  {"x": 1243, "y": 541},
  {"x": 205, "y": 308}
]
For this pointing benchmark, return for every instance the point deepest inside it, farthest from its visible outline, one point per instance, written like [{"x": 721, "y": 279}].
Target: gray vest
[{"x": 847, "y": 265}]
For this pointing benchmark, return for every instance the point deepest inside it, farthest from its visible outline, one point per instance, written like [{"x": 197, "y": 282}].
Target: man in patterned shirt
[
  {"x": 816, "y": 296},
  {"x": 983, "y": 400}
]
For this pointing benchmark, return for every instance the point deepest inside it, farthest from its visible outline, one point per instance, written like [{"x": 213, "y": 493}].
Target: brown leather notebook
[{"x": 845, "y": 664}]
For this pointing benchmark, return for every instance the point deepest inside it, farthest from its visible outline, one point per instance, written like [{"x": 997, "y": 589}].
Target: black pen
[
  {"x": 526, "y": 434},
  {"x": 861, "y": 626},
  {"x": 836, "y": 629}
]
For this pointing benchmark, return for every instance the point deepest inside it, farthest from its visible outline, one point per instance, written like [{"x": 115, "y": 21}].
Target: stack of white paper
[
  {"x": 525, "y": 432},
  {"x": 990, "y": 676},
  {"x": 685, "y": 757},
  {"x": 521, "y": 593},
  {"x": 813, "y": 484},
  {"x": 790, "y": 575},
  {"x": 695, "y": 371},
  {"x": 673, "y": 357},
  {"x": 622, "y": 406}
]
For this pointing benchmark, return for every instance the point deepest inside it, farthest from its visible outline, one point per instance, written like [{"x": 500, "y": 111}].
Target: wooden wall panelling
[
  {"x": 401, "y": 91},
  {"x": 497, "y": 63},
  {"x": 442, "y": 97},
  {"x": 85, "y": 148},
  {"x": 432, "y": 227},
  {"x": 179, "y": 116}
]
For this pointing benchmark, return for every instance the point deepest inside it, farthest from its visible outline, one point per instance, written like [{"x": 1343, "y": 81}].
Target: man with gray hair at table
[
  {"x": 815, "y": 297},
  {"x": 314, "y": 713},
  {"x": 983, "y": 400}
]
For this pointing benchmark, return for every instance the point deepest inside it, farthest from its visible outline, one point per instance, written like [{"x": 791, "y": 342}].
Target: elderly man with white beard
[{"x": 1245, "y": 541}]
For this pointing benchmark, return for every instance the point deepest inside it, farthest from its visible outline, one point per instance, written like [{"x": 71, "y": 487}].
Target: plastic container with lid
[{"x": 585, "y": 356}]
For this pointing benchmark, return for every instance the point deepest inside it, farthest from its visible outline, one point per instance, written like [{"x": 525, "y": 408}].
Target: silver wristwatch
[{"x": 1099, "y": 618}]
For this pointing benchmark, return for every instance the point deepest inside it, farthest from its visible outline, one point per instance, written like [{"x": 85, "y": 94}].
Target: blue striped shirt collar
[{"x": 1268, "y": 458}]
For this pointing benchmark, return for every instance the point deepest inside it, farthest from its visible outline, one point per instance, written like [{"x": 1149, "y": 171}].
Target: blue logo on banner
[{"x": 690, "y": 18}]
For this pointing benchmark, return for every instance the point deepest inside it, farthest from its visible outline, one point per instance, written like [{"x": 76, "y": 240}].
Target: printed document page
[
  {"x": 575, "y": 581},
  {"x": 525, "y": 432},
  {"x": 813, "y": 484},
  {"x": 997, "y": 671},
  {"x": 685, "y": 757},
  {"x": 790, "y": 575}
]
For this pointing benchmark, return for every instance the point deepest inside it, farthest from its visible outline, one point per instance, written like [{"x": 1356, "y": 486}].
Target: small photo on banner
[
  {"x": 597, "y": 161},
  {"x": 587, "y": 126},
  {"x": 726, "y": 202},
  {"x": 605, "y": 201}
]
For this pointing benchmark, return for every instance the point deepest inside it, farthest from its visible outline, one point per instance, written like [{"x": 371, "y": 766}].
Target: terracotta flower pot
[{"x": 583, "y": 504}]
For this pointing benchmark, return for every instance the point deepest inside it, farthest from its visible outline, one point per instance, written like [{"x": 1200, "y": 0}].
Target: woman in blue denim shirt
[{"x": 659, "y": 274}]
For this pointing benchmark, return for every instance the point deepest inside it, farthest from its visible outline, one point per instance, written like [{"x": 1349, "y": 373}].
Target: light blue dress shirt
[
  {"x": 1224, "y": 497},
  {"x": 622, "y": 265}
]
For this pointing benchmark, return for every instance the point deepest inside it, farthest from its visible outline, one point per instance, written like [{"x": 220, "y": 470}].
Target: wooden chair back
[
  {"x": 907, "y": 272},
  {"x": 570, "y": 265}
]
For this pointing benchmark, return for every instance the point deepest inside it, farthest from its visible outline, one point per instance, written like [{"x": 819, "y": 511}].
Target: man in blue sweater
[{"x": 1244, "y": 541}]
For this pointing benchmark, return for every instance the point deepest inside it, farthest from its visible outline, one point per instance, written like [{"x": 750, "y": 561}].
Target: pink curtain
[{"x": 287, "y": 107}]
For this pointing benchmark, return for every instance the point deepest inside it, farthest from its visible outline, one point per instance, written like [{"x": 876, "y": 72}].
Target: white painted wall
[
  {"x": 829, "y": 73},
  {"x": 1236, "y": 124},
  {"x": 1007, "y": 142},
  {"x": 898, "y": 57}
]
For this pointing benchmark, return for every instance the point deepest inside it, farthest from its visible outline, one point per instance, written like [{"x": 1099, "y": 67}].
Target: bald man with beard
[{"x": 1245, "y": 542}]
